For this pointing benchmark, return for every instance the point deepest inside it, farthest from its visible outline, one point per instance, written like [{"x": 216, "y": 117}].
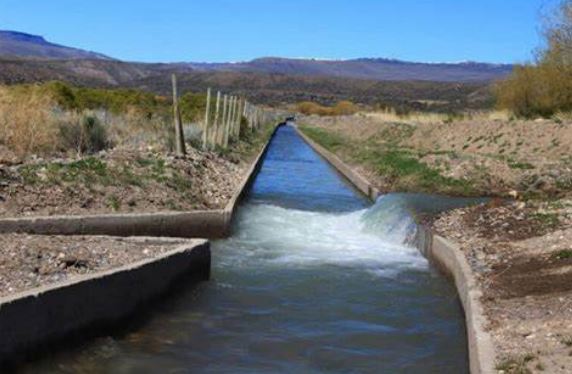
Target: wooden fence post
[
  {"x": 226, "y": 123},
  {"x": 216, "y": 127},
  {"x": 236, "y": 112},
  {"x": 220, "y": 138},
  {"x": 207, "y": 115},
  {"x": 179, "y": 135},
  {"x": 231, "y": 117}
]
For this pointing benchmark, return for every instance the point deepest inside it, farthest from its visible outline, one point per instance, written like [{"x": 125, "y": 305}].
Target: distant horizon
[{"x": 222, "y": 31}]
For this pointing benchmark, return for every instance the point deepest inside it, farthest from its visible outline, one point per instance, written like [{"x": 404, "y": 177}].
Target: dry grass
[
  {"x": 27, "y": 122},
  {"x": 341, "y": 108},
  {"x": 390, "y": 115},
  {"x": 32, "y": 122}
]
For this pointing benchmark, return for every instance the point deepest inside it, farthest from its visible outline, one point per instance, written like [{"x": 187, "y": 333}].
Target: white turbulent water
[{"x": 275, "y": 236}]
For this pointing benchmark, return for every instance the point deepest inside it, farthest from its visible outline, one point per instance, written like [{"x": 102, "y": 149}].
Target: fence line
[{"x": 226, "y": 119}]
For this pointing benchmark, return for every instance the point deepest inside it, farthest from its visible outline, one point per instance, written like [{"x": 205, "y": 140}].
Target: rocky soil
[
  {"x": 521, "y": 253},
  {"x": 28, "y": 261},
  {"x": 120, "y": 180}
]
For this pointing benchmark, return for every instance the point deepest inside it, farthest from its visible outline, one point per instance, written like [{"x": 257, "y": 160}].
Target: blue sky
[{"x": 227, "y": 30}]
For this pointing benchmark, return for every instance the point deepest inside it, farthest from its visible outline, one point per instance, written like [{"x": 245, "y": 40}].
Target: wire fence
[{"x": 227, "y": 119}]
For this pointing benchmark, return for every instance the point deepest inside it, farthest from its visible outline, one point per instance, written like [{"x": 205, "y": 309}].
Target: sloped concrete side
[
  {"x": 353, "y": 176},
  {"x": 450, "y": 259},
  {"x": 42, "y": 316},
  {"x": 205, "y": 224},
  {"x": 249, "y": 178}
]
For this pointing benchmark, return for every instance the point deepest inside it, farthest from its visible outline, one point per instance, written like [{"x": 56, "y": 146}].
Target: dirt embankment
[
  {"x": 482, "y": 156},
  {"x": 29, "y": 261},
  {"x": 521, "y": 254},
  {"x": 123, "y": 180}
]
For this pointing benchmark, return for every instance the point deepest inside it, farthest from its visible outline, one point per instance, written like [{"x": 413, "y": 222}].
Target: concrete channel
[{"x": 36, "y": 318}]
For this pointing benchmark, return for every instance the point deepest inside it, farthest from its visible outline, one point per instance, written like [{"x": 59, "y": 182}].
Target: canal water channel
[{"x": 315, "y": 278}]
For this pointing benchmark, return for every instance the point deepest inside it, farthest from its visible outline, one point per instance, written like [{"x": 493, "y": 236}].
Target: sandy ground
[
  {"x": 28, "y": 261},
  {"x": 522, "y": 256}
]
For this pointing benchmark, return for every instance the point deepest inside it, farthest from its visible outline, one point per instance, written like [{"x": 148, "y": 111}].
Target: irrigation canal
[{"x": 314, "y": 279}]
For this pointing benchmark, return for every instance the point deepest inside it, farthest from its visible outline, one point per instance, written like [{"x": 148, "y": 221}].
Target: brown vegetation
[
  {"x": 55, "y": 118},
  {"x": 341, "y": 108}
]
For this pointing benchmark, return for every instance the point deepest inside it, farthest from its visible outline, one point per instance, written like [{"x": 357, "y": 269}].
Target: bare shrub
[
  {"x": 87, "y": 135},
  {"x": 544, "y": 88}
]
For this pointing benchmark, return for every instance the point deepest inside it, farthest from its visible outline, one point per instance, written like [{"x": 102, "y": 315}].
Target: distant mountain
[
  {"x": 378, "y": 69},
  {"x": 26, "y": 58},
  {"x": 22, "y": 45},
  {"x": 19, "y": 44}
]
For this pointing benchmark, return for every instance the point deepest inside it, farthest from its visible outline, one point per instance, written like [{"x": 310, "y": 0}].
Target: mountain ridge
[{"x": 23, "y": 45}]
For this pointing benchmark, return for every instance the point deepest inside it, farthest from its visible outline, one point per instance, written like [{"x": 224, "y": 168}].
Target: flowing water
[{"x": 313, "y": 279}]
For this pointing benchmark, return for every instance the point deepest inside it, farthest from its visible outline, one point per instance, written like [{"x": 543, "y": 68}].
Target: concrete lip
[
  {"x": 39, "y": 317},
  {"x": 449, "y": 259}
]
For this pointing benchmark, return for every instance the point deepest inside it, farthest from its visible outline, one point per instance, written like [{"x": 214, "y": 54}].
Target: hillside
[
  {"x": 262, "y": 88},
  {"x": 27, "y": 58},
  {"x": 19, "y": 44},
  {"x": 367, "y": 68}
]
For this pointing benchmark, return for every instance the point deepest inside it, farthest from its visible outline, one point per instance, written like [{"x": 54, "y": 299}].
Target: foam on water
[{"x": 270, "y": 235}]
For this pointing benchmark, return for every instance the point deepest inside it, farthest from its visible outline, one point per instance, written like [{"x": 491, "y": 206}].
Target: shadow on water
[{"x": 313, "y": 279}]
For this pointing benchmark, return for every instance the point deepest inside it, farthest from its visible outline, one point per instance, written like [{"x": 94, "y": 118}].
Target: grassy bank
[
  {"x": 399, "y": 168},
  {"x": 489, "y": 155}
]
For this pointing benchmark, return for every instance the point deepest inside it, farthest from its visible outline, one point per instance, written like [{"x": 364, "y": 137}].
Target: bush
[
  {"x": 340, "y": 109},
  {"x": 86, "y": 136},
  {"x": 545, "y": 88},
  {"x": 26, "y": 121}
]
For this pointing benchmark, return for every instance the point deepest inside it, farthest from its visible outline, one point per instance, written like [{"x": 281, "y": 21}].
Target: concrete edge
[
  {"x": 193, "y": 224},
  {"x": 212, "y": 224},
  {"x": 361, "y": 183},
  {"x": 449, "y": 258},
  {"x": 39, "y": 317}
]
